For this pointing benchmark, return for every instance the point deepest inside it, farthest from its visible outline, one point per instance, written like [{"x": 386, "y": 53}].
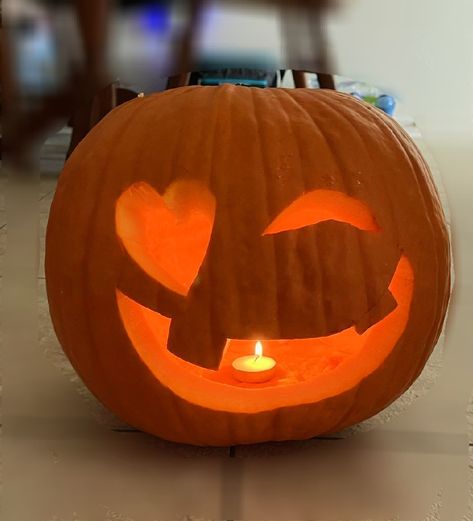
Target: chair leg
[
  {"x": 326, "y": 81},
  {"x": 300, "y": 81},
  {"x": 90, "y": 112},
  {"x": 178, "y": 80}
]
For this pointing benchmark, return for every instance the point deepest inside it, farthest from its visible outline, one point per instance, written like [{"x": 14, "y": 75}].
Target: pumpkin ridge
[
  {"x": 353, "y": 395},
  {"x": 185, "y": 121},
  {"x": 127, "y": 265},
  {"x": 57, "y": 206},
  {"x": 316, "y": 238},
  {"x": 87, "y": 264},
  {"x": 366, "y": 261},
  {"x": 432, "y": 195},
  {"x": 411, "y": 152},
  {"x": 258, "y": 111},
  {"x": 348, "y": 237},
  {"x": 207, "y": 325},
  {"x": 310, "y": 235},
  {"x": 84, "y": 261},
  {"x": 389, "y": 125},
  {"x": 268, "y": 210},
  {"x": 234, "y": 284},
  {"x": 175, "y": 167},
  {"x": 220, "y": 98}
]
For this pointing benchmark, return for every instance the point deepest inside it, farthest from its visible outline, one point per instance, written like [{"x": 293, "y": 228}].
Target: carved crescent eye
[
  {"x": 167, "y": 235},
  {"x": 323, "y": 205}
]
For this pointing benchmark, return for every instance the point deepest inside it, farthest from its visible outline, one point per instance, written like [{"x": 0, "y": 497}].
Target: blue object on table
[
  {"x": 386, "y": 103},
  {"x": 155, "y": 18}
]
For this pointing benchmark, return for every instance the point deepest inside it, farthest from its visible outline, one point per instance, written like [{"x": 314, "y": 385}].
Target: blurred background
[
  {"x": 73, "y": 61},
  {"x": 69, "y": 62}
]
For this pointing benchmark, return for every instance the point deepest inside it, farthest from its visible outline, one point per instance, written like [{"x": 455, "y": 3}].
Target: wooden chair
[{"x": 90, "y": 113}]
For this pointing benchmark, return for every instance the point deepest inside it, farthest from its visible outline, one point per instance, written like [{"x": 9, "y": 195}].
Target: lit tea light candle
[{"x": 254, "y": 368}]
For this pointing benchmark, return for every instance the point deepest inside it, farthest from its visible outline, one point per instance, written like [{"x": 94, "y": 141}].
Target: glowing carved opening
[
  {"x": 167, "y": 235},
  {"x": 323, "y": 205},
  {"x": 309, "y": 369}
]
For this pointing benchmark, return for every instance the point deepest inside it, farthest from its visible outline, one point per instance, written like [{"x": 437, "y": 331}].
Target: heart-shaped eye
[{"x": 167, "y": 235}]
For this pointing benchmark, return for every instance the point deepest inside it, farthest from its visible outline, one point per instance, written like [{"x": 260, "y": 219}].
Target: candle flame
[{"x": 258, "y": 349}]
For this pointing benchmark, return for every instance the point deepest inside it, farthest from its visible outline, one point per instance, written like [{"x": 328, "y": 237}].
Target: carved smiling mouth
[{"x": 338, "y": 361}]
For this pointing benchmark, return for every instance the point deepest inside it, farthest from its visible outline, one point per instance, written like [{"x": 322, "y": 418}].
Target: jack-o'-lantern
[{"x": 191, "y": 225}]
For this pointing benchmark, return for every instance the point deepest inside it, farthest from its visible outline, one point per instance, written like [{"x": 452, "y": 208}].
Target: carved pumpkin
[{"x": 191, "y": 223}]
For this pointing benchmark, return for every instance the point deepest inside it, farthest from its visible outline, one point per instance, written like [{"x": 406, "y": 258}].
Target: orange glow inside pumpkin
[
  {"x": 323, "y": 205},
  {"x": 168, "y": 236},
  {"x": 307, "y": 370}
]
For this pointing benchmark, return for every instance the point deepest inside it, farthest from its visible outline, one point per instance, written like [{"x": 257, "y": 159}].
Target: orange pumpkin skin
[{"x": 241, "y": 157}]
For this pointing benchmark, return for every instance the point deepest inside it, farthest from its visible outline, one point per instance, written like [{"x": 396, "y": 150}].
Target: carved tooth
[{"x": 383, "y": 307}]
